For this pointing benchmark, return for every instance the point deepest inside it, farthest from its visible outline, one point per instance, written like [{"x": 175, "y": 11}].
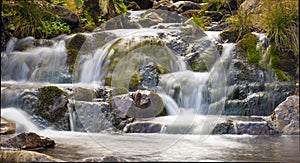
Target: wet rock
[
  {"x": 253, "y": 128},
  {"x": 52, "y": 106},
  {"x": 120, "y": 22},
  {"x": 285, "y": 118},
  {"x": 139, "y": 104},
  {"x": 26, "y": 156},
  {"x": 105, "y": 159},
  {"x": 143, "y": 127},
  {"x": 150, "y": 75},
  {"x": 224, "y": 127},
  {"x": 91, "y": 116},
  {"x": 28, "y": 141},
  {"x": 203, "y": 55},
  {"x": 7, "y": 127}
]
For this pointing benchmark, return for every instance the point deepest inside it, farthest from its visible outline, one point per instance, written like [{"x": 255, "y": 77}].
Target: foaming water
[
  {"x": 20, "y": 117},
  {"x": 34, "y": 64}
]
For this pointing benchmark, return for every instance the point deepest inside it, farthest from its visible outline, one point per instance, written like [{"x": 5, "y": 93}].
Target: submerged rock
[
  {"x": 285, "y": 118},
  {"x": 105, "y": 159},
  {"x": 26, "y": 156},
  {"x": 28, "y": 141},
  {"x": 144, "y": 127}
]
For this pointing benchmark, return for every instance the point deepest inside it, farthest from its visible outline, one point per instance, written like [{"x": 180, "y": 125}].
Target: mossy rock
[
  {"x": 119, "y": 91},
  {"x": 248, "y": 44},
  {"x": 125, "y": 57},
  {"x": 52, "y": 104},
  {"x": 83, "y": 94},
  {"x": 73, "y": 48}
]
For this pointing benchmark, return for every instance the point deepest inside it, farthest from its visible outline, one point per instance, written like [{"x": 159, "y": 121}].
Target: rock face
[
  {"x": 26, "y": 156},
  {"x": 28, "y": 141},
  {"x": 285, "y": 118},
  {"x": 7, "y": 127}
]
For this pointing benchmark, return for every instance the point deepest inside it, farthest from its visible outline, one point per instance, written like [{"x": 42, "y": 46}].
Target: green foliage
[
  {"x": 248, "y": 43},
  {"x": 198, "y": 20},
  {"x": 240, "y": 22},
  {"x": 280, "y": 76},
  {"x": 78, "y": 3},
  {"x": 282, "y": 21},
  {"x": 31, "y": 18},
  {"x": 120, "y": 7}
]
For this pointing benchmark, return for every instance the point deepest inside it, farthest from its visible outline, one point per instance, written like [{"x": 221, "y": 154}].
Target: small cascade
[
  {"x": 21, "y": 118},
  {"x": 39, "y": 64}
]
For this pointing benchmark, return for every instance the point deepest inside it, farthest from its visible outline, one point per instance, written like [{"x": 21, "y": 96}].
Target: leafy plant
[
  {"x": 120, "y": 7},
  {"x": 31, "y": 18}
]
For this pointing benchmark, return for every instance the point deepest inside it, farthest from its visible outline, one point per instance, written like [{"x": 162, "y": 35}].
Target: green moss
[
  {"x": 47, "y": 96},
  {"x": 119, "y": 91},
  {"x": 134, "y": 81},
  {"x": 199, "y": 65},
  {"x": 83, "y": 94},
  {"x": 248, "y": 44},
  {"x": 73, "y": 47},
  {"x": 280, "y": 76}
]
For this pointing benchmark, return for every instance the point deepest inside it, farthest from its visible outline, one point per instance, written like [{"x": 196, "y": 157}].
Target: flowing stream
[{"x": 194, "y": 101}]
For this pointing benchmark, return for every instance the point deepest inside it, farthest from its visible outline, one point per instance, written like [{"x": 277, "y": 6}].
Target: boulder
[
  {"x": 52, "y": 106},
  {"x": 66, "y": 15},
  {"x": 7, "y": 127},
  {"x": 144, "y": 127},
  {"x": 28, "y": 141},
  {"x": 26, "y": 156},
  {"x": 285, "y": 117},
  {"x": 139, "y": 104}
]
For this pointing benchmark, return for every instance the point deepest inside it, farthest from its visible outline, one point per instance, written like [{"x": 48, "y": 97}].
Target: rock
[
  {"x": 66, "y": 15},
  {"x": 26, "y": 156},
  {"x": 285, "y": 117},
  {"x": 224, "y": 127},
  {"x": 144, "y": 4},
  {"x": 120, "y": 22},
  {"x": 7, "y": 127},
  {"x": 104, "y": 159},
  {"x": 52, "y": 106},
  {"x": 143, "y": 127},
  {"x": 133, "y": 6},
  {"x": 214, "y": 15},
  {"x": 91, "y": 116},
  {"x": 183, "y": 6},
  {"x": 28, "y": 141},
  {"x": 139, "y": 104}
]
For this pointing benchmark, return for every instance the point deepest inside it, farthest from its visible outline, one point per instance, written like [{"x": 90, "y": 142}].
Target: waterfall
[
  {"x": 39, "y": 64},
  {"x": 21, "y": 118}
]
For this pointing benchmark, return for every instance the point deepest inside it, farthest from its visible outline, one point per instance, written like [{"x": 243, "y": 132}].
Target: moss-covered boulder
[
  {"x": 73, "y": 48},
  {"x": 52, "y": 106}
]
